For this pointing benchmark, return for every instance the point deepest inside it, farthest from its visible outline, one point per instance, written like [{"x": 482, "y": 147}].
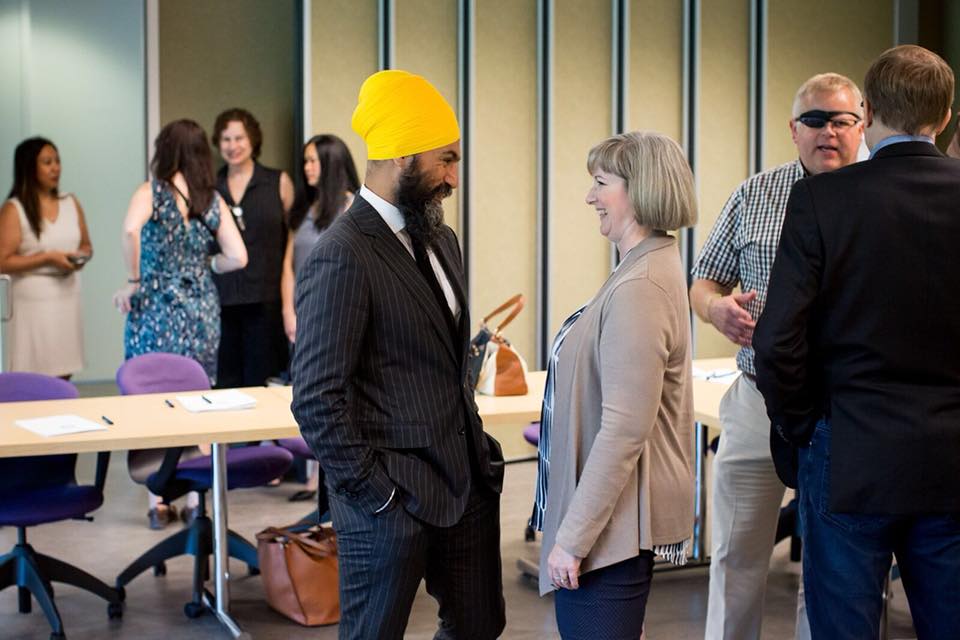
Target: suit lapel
[
  {"x": 451, "y": 266},
  {"x": 398, "y": 259}
]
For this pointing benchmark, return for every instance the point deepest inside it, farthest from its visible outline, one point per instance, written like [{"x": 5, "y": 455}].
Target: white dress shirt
[{"x": 394, "y": 219}]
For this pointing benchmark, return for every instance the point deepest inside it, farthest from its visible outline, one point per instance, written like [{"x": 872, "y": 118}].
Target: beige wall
[
  {"x": 343, "y": 52},
  {"x": 426, "y": 44},
  {"x": 579, "y": 255},
  {"x": 724, "y": 128},
  {"x": 656, "y": 67},
  {"x": 503, "y": 192},
  {"x": 217, "y": 55},
  {"x": 803, "y": 44},
  {"x": 503, "y": 252}
]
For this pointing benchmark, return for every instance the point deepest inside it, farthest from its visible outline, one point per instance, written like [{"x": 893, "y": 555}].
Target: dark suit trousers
[{"x": 383, "y": 557}]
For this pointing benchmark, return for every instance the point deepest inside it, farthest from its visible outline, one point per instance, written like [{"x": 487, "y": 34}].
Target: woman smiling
[{"x": 618, "y": 406}]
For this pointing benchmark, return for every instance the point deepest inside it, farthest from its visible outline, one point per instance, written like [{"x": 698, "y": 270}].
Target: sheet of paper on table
[
  {"x": 226, "y": 400},
  {"x": 718, "y": 376},
  {"x": 60, "y": 425}
]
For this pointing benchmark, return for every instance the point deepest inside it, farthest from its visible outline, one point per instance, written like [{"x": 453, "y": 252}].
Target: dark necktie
[{"x": 426, "y": 270}]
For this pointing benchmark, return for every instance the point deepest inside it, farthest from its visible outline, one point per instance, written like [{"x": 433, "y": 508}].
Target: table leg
[
  {"x": 221, "y": 561},
  {"x": 700, "y": 494}
]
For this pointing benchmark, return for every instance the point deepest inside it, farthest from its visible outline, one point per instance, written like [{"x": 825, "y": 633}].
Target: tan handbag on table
[
  {"x": 494, "y": 367},
  {"x": 300, "y": 573}
]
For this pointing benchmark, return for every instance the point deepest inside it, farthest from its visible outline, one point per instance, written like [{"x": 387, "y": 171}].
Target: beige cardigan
[{"x": 621, "y": 461}]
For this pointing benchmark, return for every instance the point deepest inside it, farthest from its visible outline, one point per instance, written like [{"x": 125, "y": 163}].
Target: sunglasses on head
[{"x": 818, "y": 119}]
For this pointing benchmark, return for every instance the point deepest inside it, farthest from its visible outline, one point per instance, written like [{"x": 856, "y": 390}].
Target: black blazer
[
  {"x": 379, "y": 387},
  {"x": 862, "y": 324}
]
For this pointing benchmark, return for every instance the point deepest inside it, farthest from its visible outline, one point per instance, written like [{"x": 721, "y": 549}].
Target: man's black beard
[{"x": 421, "y": 205}]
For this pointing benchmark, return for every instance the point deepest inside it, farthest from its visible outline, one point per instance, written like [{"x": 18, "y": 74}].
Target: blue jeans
[{"x": 846, "y": 558}]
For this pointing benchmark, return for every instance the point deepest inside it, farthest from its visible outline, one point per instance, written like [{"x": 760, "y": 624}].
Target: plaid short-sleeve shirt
[{"x": 743, "y": 243}]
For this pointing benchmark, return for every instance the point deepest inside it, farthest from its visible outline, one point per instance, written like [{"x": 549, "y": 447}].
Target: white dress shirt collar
[
  {"x": 389, "y": 212},
  {"x": 394, "y": 219}
]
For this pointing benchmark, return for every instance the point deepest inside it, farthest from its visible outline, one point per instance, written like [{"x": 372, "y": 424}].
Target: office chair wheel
[
  {"x": 194, "y": 609},
  {"x": 58, "y": 636},
  {"x": 529, "y": 534},
  {"x": 160, "y": 569},
  {"x": 252, "y": 571},
  {"x": 114, "y": 611}
]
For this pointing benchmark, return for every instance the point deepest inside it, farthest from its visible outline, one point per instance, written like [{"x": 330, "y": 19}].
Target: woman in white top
[{"x": 43, "y": 244}]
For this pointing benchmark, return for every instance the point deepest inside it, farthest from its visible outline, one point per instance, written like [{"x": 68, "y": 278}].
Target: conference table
[{"x": 146, "y": 421}]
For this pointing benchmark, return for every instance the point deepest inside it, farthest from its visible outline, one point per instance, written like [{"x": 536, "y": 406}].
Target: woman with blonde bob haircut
[{"x": 618, "y": 406}]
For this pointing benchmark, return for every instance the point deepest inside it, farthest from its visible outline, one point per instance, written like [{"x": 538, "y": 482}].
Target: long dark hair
[
  {"x": 338, "y": 175},
  {"x": 182, "y": 146},
  {"x": 25, "y": 185}
]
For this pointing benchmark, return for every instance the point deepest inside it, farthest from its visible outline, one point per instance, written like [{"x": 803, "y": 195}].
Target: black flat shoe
[{"x": 303, "y": 495}]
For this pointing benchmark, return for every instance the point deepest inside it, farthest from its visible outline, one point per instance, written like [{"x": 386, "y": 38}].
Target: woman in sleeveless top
[
  {"x": 170, "y": 297},
  {"x": 252, "y": 347},
  {"x": 328, "y": 180},
  {"x": 171, "y": 222},
  {"x": 43, "y": 244}
]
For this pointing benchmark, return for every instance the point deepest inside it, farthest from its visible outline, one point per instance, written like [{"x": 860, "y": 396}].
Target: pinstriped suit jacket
[{"x": 379, "y": 388}]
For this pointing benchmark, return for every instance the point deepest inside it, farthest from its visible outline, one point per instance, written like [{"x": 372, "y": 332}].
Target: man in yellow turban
[{"x": 380, "y": 384}]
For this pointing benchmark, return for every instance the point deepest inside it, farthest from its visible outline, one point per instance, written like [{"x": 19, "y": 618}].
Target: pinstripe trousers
[{"x": 383, "y": 557}]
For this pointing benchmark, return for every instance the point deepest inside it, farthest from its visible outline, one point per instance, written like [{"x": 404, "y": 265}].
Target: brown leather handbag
[
  {"x": 299, "y": 573},
  {"x": 494, "y": 367}
]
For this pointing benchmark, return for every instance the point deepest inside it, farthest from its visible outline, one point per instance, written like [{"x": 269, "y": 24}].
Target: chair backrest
[
  {"x": 161, "y": 372},
  {"x": 158, "y": 373},
  {"x": 31, "y": 472},
  {"x": 17, "y": 386}
]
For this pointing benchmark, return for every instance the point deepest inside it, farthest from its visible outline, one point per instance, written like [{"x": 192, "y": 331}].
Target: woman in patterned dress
[
  {"x": 172, "y": 220},
  {"x": 170, "y": 299}
]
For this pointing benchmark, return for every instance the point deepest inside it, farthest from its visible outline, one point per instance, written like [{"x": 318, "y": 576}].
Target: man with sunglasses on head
[
  {"x": 826, "y": 126},
  {"x": 858, "y": 359}
]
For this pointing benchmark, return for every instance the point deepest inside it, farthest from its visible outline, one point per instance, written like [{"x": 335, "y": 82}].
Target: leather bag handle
[
  {"x": 302, "y": 540},
  {"x": 516, "y": 302}
]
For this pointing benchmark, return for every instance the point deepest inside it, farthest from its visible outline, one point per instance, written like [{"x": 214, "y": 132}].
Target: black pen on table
[
  {"x": 107, "y": 420},
  {"x": 168, "y": 403},
  {"x": 206, "y": 399}
]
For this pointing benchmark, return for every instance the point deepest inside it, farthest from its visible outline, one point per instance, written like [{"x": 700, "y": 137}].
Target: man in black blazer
[
  {"x": 858, "y": 359},
  {"x": 380, "y": 389}
]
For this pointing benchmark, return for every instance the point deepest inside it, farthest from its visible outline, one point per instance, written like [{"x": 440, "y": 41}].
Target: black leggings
[{"x": 610, "y": 603}]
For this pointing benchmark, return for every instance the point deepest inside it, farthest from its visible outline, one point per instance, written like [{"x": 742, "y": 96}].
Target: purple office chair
[
  {"x": 179, "y": 474},
  {"x": 300, "y": 449},
  {"x": 39, "y": 489}
]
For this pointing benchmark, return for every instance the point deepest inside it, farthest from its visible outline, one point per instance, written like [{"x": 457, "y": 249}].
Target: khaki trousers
[{"x": 746, "y": 501}]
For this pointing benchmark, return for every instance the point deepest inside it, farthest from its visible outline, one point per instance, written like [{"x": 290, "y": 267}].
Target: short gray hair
[
  {"x": 826, "y": 83},
  {"x": 658, "y": 178}
]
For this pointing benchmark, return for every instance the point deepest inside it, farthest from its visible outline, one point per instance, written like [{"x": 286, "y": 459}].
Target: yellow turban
[{"x": 399, "y": 114}]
